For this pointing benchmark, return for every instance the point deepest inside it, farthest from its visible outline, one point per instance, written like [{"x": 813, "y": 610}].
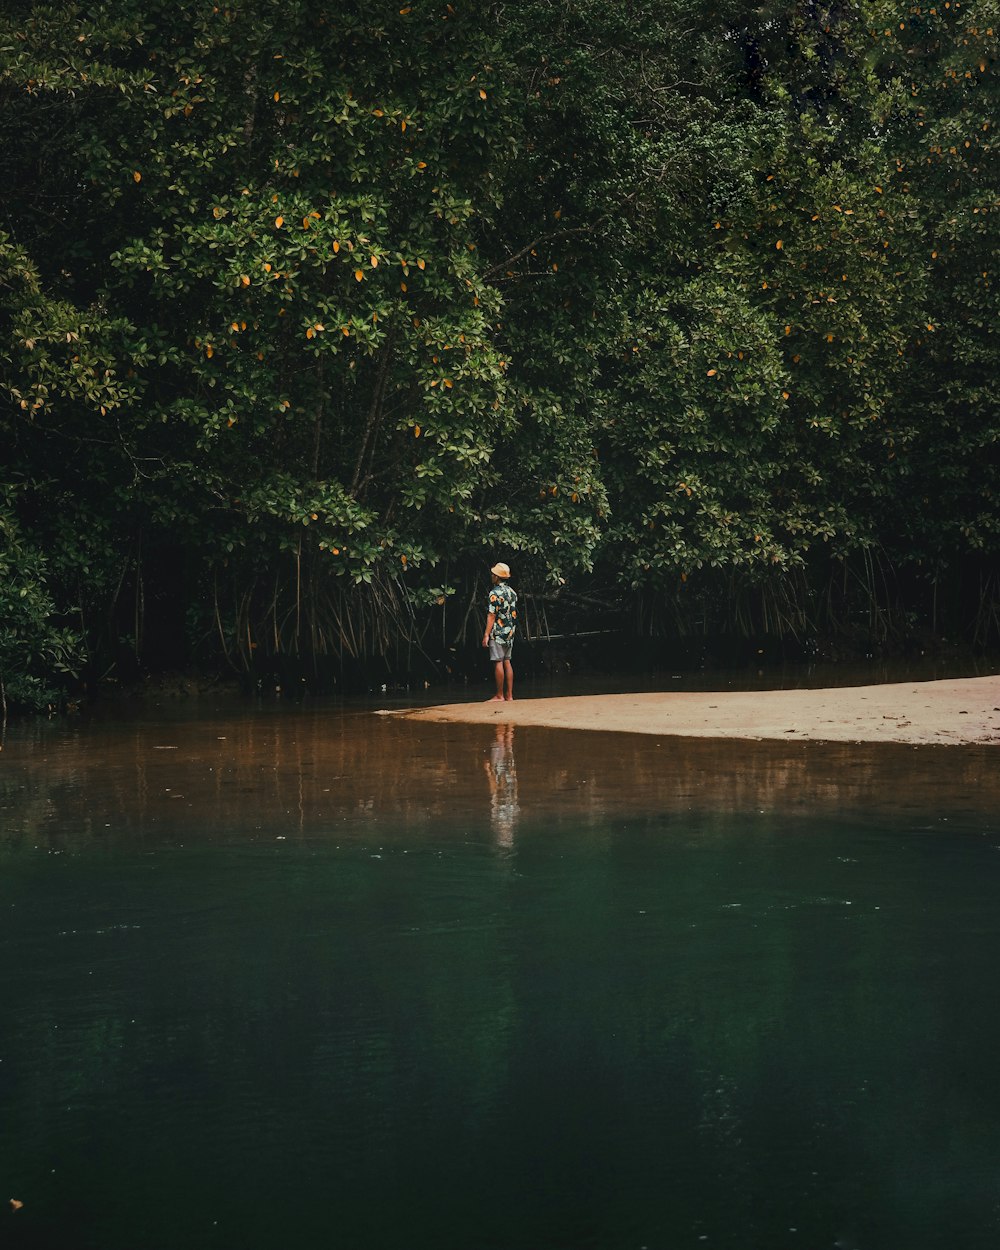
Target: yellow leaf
[
  {"x": 267, "y": 266},
  {"x": 359, "y": 276},
  {"x": 779, "y": 245},
  {"x": 402, "y": 287},
  {"x": 402, "y": 559},
  {"x": 244, "y": 279},
  {"x": 209, "y": 351},
  {"x": 136, "y": 176},
  {"x": 314, "y": 516},
  {"x": 788, "y": 329},
  {"x": 403, "y": 12},
  {"x": 878, "y": 190},
  {"x": 277, "y": 96},
  {"x": 482, "y": 94},
  {"x": 379, "y": 113},
  {"x": 416, "y": 431},
  {"x": 279, "y": 222},
  {"x": 448, "y": 383},
  {"x": 421, "y": 264},
  {"x": 711, "y": 373},
  {"x": 310, "y": 333},
  {"x": 374, "y": 260},
  {"x": 16, "y": 1204},
  {"x": 335, "y": 551},
  {"x": 336, "y": 247},
  {"x": 306, "y": 223},
  {"x": 784, "y": 394},
  {"x": 231, "y": 422},
  {"x": 345, "y": 331},
  {"x": 421, "y": 164}
]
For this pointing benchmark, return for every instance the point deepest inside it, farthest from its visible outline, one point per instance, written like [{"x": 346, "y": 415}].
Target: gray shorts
[{"x": 501, "y": 650}]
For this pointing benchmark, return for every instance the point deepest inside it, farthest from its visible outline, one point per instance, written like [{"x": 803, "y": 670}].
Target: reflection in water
[
  {"x": 324, "y": 774},
  {"x": 269, "y": 984},
  {"x": 501, "y": 773}
]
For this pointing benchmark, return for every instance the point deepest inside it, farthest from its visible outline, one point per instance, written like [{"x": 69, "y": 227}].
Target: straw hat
[{"x": 500, "y": 570}]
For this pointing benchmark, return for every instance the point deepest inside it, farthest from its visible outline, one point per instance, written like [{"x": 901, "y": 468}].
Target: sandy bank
[{"x": 947, "y": 712}]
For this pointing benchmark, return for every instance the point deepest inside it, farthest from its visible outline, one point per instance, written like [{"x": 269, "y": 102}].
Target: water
[{"x": 309, "y": 979}]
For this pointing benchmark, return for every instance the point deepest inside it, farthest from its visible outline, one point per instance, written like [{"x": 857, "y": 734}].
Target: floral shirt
[{"x": 503, "y": 606}]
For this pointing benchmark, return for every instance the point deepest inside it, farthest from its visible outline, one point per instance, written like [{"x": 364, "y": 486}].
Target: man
[{"x": 499, "y": 636}]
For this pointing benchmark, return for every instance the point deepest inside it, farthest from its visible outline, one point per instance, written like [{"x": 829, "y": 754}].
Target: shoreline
[{"x": 957, "y": 712}]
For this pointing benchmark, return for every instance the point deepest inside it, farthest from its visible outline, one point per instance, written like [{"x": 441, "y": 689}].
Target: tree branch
[{"x": 554, "y": 235}]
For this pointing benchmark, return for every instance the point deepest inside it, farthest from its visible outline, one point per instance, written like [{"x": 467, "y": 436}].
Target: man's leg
[
  {"x": 498, "y": 673},
  {"x": 508, "y": 674}
]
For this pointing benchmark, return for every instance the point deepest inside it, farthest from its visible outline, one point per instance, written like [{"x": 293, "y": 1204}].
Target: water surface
[{"x": 301, "y": 978}]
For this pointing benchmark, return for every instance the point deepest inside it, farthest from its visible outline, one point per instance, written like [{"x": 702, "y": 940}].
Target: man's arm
[{"x": 489, "y": 628}]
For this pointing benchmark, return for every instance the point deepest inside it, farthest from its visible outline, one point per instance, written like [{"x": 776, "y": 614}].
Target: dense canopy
[{"x": 310, "y": 312}]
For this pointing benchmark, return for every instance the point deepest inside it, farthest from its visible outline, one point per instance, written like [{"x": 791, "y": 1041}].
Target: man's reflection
[{"x": 502, "y": 776}]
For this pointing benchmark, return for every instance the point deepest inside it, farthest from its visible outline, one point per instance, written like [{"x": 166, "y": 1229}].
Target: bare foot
[
  {"x": 497, "y": 698},
  {"x": 508, "y": 698}
]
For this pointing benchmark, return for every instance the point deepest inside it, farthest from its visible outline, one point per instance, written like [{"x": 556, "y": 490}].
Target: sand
[{"x": 958, "y": 712}]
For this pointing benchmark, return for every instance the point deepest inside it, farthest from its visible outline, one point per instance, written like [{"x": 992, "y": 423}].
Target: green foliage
[
  {"x": 305, "y": 316},
  {"x": 34, "y": 647},
  {"x": 944, "y": 60}
]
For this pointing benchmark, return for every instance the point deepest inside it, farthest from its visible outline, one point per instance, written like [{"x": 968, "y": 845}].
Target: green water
[{"x": 343, "y": 983}]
